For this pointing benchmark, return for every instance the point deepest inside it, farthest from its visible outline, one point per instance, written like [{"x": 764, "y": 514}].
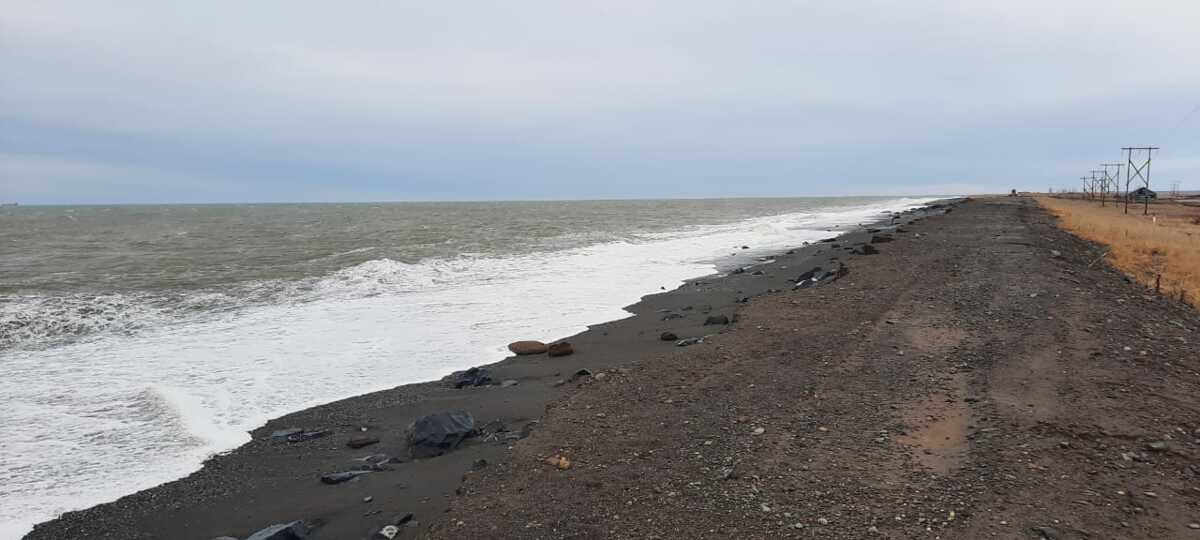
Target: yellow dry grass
[{"x": 1164, "y": 244}]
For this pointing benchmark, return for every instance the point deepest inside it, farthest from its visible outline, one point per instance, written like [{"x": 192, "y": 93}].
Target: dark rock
[
  {"x": 808, "y": 275},
  {"x": 819, "y": 276},
  {"x": 716, "y": 319},
  {"x": 340, "y": 477},
  {"x": 285, "y": 433},
  {"x": 527, "y": 347},
  {"x": 581, "y": 374},
  {"x": 438, "y": 433},
  {"x": 479, "y": 464},
  {"x": 757, "y": 273},
  {"x": 791, "y": 252},
  {"x": 360, "y": 442},
  {"x": 305, "y": 435},
  {"x": 880, "y": 239},
  {"x": 475, "y": 376},
  {"x": 295, "y": 530},
  {"x": 828, "y": 240},
  {"x": 865, "y": 249},
  {"x": 561, "y": 348},
  {"x": 668, "y": 336},
  {"x": 738, "y": 271},
  {"x": 742, "y": 300},
  {"x": 1049, "y": 533},
  {"x": 670, "y": 316},
  {"x": 376, "y": 462},
  {"x": 745, "y": 247},
  {"x": 391, "y": 531},
  {"x": 494, "y": 426}
]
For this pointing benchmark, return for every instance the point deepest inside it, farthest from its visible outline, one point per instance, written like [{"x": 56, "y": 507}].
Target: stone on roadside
[
  {"x": 527, "y": 347},
  {"x": 689, "y": 341},
  {"x": 509, "y": 382},
  {"x": 561, "y": 348},
  {"x": 668, "y": 336},
  {"x": 438, "y": 433}
]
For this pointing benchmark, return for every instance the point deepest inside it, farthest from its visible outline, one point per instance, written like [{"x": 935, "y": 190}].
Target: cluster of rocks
[{"x": 529, "y": 347}]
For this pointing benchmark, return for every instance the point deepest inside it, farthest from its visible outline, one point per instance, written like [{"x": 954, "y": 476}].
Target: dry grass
[{"x": 1163, "y": 247}]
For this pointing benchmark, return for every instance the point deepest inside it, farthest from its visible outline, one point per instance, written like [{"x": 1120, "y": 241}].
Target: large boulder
[
  {"x": 439, "y": 433},
  {"x": 527, "y": 347},
  {"x": 561, "y": 348},
  {"x": 475, "y": 376},
  {"x": 295, "y": 530}
]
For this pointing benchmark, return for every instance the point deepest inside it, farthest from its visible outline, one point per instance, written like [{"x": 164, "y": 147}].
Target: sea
[{"x": 138, "y": 340}]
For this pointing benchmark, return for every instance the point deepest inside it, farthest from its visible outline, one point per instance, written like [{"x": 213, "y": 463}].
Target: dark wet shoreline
[{"x": 270, "y": 480}]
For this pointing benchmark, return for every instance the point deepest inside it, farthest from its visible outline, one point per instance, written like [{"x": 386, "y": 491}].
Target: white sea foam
[{"x": 92, "y": 420}]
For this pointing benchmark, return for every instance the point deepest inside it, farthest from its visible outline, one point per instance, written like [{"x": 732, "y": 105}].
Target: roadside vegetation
[{"x": 1160, "y": 250}]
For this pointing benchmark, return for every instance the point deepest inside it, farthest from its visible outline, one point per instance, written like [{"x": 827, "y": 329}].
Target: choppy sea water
[{"x": 137, "y": 340}]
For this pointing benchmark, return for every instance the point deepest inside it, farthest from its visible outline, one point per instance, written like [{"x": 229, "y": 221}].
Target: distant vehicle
[{"x": 1143, "y": 195}]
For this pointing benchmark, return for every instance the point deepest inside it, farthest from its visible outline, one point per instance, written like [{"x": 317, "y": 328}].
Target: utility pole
[
  {"x": 1140, "y": 171},
  {"x": 1087, "y": 187},
  {"x": 1103, "y": 185},
  {"x": 1114, "y": 180}
]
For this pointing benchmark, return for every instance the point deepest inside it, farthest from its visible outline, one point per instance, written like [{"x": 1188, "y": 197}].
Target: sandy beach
[{"x": 969, "y": 374}]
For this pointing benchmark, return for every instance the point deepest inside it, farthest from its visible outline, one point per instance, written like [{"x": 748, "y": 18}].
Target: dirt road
[{"x": 981, "y": 377}]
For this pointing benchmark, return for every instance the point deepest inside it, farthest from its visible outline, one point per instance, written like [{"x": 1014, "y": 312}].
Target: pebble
[
  {"x": 1194, "y": 525},
  {"x": 368, "y": 499},
  {"x": 822, "y": 521},
  {"x": 759, "y": 431}
]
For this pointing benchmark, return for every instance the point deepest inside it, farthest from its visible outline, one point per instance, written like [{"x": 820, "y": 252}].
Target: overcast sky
[{"x": 163, "y": 101}]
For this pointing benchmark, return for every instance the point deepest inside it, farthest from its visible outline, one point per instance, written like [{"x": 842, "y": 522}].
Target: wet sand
[{"x": 271, "y": 480}]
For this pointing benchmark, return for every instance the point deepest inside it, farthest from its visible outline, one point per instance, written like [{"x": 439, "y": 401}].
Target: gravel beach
[{"x": 967, "y": 371}]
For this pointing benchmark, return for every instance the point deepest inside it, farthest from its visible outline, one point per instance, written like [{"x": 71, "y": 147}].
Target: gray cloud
[{"x": 373, "y": 99}]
